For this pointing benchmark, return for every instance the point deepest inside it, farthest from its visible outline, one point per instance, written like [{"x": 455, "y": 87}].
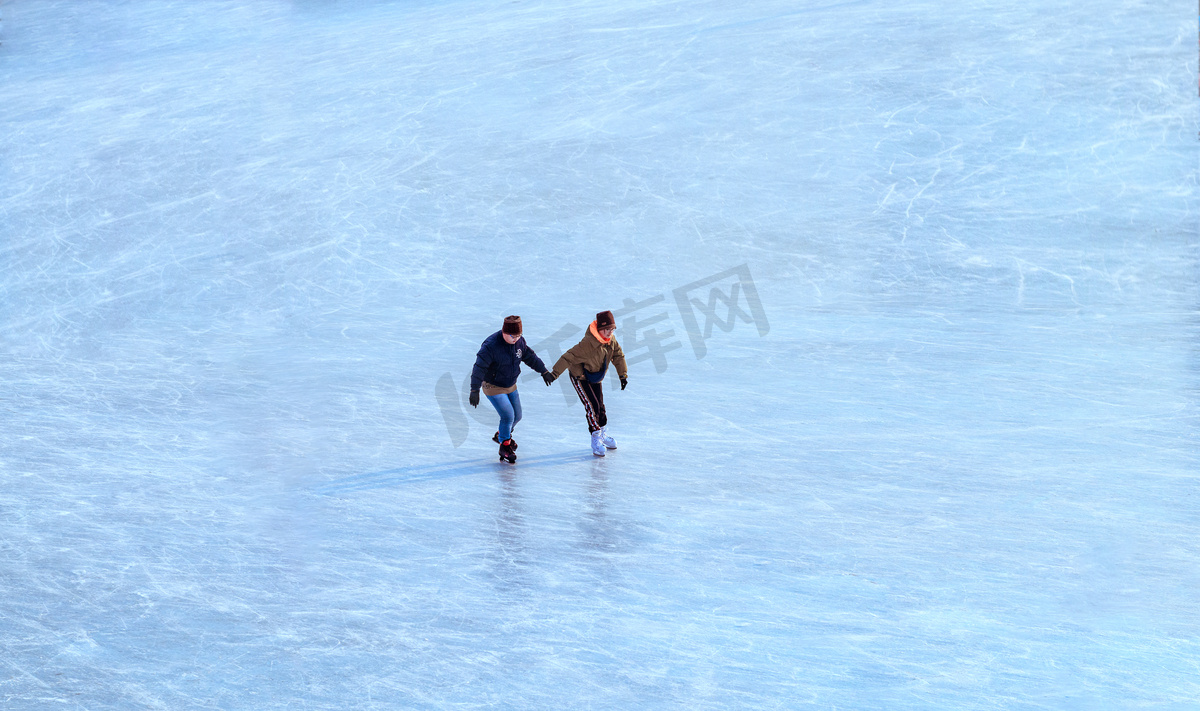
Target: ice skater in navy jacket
[{"x": 497, "y": 366}]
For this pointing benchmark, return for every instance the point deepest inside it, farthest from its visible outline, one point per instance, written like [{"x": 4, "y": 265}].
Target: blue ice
[{"x": 248, "y": 251}]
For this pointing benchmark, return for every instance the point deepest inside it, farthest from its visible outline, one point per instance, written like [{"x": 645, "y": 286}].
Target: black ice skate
[
  {"x": 496, "y": 439},
  {"x": 506, "y": 452}
]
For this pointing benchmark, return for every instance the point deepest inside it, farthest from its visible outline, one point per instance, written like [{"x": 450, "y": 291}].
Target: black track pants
[{"x": 592, "y": 397}]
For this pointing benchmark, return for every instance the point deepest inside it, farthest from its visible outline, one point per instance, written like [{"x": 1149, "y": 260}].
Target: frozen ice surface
[{"x": 241, "y": 244}]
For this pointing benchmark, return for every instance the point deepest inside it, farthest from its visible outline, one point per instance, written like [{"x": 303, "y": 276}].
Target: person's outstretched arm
[
  {"x": 568, "y": 359},
  {"x": 483, "y": 359},
  {"x": 618, "y": 359},
  {"x": 531, "y": 359}
]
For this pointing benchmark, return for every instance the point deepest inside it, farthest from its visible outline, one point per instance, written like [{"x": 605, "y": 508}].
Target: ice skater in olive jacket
[
  {"x": 497, "y": 365},
  {"x": 588, "y": 361}
]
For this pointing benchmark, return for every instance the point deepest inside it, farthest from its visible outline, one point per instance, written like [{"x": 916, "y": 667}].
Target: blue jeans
[{"x": 509, "y": 407}]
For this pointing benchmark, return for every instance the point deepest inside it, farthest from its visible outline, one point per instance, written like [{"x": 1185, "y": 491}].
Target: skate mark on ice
[
  {"x": 772, "y": 18},
  {"x": 432, "y": 472}
]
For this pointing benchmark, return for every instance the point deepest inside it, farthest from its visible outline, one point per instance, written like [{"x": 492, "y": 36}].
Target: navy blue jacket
[{"x": 499, "y": 363}]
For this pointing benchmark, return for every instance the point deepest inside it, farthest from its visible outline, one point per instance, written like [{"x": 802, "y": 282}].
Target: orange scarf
[{"x": 596, "y": 332}]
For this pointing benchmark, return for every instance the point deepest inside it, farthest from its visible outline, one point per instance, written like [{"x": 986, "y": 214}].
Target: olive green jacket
[{"x": 593, "y": 355}]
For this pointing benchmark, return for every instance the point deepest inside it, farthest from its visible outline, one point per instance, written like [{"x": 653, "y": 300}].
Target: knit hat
[
  {"x": 512, "y": 325},
  {"x": 605, "y": 319}
]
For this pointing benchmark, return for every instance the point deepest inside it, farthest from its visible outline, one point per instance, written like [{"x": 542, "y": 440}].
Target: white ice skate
[
  {"x": 597, "y": 443},
  {"x": 607, "y": 441}
]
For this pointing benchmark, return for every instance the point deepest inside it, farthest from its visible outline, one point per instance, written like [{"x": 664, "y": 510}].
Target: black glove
[
  {"x": 474, "y": 399},
  {"x": 548, "y": 377},
  {"x": 624, "y": 382}
]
